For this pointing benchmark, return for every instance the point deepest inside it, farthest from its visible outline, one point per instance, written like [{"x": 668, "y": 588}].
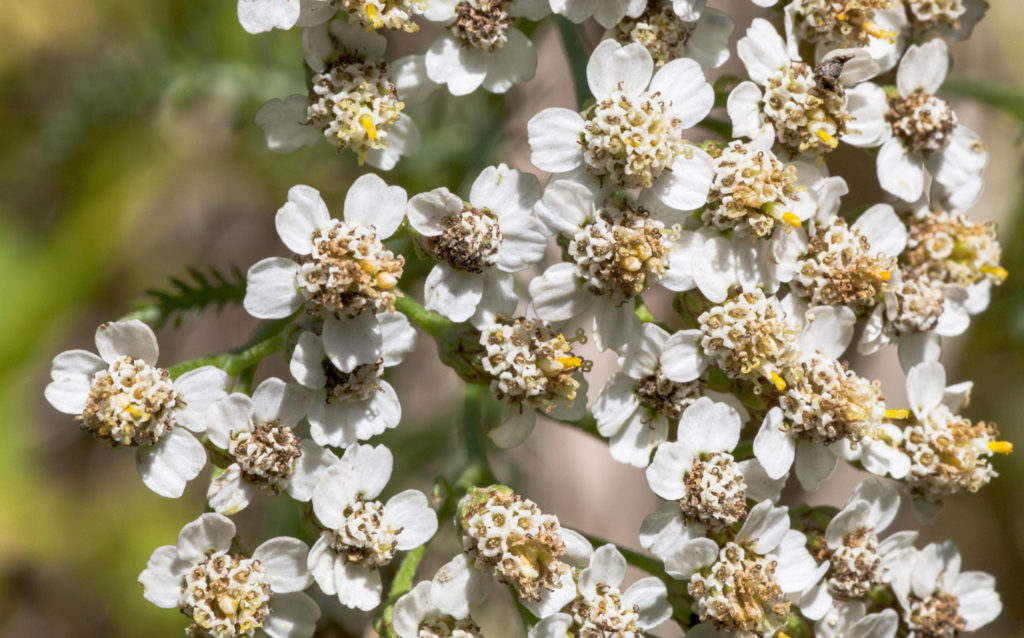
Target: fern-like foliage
[{"x": 192, "y": 293}]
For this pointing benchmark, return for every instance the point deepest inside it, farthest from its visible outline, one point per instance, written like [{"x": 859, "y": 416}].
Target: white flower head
[
  {"x": 877, "y": 26},
  {"x": 258, "y": 434},
  {"x": 507, "y": 537},
  {"x": 937, "y": 599},
  {"x": 926, "y": 132},
  {"x": 227, "y": 594},
  {"x": 121, "y": 396},
  {"x": 346, "y": 407},
  {"x": 810, "y": 109},
  {"x": 382, "y": 14},
  {"x": 851, "y": 620},
  {"x": 415, "y": 616},
  {"x": 355, "y": 99},
  {"x": 481, "y": 46},
  {"x": 479, "y": 243},
  {"x": 341, "y": 270},
  {"x": 602, "y": 609},
  {"x": 668, "y": 36},
  {"x": 259, "y": 16},
  {"x": 743, "y": 585},
  {"x": 362, "y": 533},
  {"x": 532, "y": 368},
  {"x": 632, "y": 136}
]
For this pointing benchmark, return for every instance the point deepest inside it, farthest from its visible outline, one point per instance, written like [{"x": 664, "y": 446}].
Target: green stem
[
  {"x": 432, "y": 323},
  {"x": 576, "y": 51},
  {"x": 473, "y": 433},
  {"x": 717, "y": 126},
  {"x": 267, "y": 341},
  {"x": 399, "y": 587}
]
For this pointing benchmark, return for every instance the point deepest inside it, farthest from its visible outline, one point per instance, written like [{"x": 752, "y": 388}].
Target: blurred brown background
[{"x": 127, "y": 151}]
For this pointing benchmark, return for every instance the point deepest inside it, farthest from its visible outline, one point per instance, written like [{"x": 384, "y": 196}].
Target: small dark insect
[{"x": 827, "y": 72}]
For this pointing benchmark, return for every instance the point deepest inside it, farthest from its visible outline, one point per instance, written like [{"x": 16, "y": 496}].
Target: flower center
[
  {"x": 665, "y": 397},
  {"x": 362, "y": 539},
  {"x": 913, "y": 306},
  {"x": 855, "y": 567},
  {"x": 130, "y": 403},
  {"x": 949, "y": 454},
  {"x": 840, "y": 269},
  {"x": 659, "y": 29},
  {"x": 807, "y": 109},
  {"x": 349, "y": 271},
  {"x": 739, "y": 592},
  {"x": 382, "y": 14},
  {"x": 226, "y": 595},
  {"x": 922, "y": 121},
  {"x": 511, "y": 537},
  {"x": 448, "y": 627},
  {"x": 935, "y": 617},
  {"x": 604, "y": 615},
  {"x": 825, "y": 402},
  {"x": 482, "y": 24},
  {"x": 267, "y": 454},
  {"x": 469, "y": 241},
  {"x": 747, "y": 333},
  {"x": 529, "y": 363},
  {"x": 360, "y": 384},
  {"x": 842, "y": 23},
  {"x": 715, "y": 492},
  {"x": 631, "y": 139},
  {"x": 927, "y": 14},
  {"x": 622, "y": 253},
  {"x": 355, "y": 103},
  {"x": 752, "y": 191},
  {"x": 948, "y": 247}
]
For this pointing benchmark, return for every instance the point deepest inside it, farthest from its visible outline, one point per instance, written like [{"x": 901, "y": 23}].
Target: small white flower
[
  {"x": 226, "y": 594},
  {"x": 743, "y": 585},
  {"x": 632, "y": 137},
  {"x": 507, "y": 537},
  {"x": 346, "y": 407},
  {"x": 951, "y": 18},
  {"x": 925, "y": 131},
  {"x": 669, "y": 36},
  {"x": 355, "y": 99},
  {"x": 481, "y": 47},
  {"x": 382, "y": 14},
  {"x": 938, "y": 599},
  {"x": 619, "y": 249},
  {"x": 809, "y": 109},
  {"x": 122, "y": 397},
  {"x": 259, "y": 16},
  {"x": 606, "y": 12},
  {"x": 259, "y": 436},
  {"x": 479, "y": 244},
  {"x": 602, "y": 609},
  {"x": 362, "y": 533},
  {"x": 341, "y": 271},
  {"x": 415, "y": 616},
  {"x": 858, "y": 559},
  {"x": 851, "y": 620},
  {"x": 877, "y": 26}
]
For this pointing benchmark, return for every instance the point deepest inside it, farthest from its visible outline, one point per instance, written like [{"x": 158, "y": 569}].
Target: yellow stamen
[
  {"x": 1000, "y": 447},
  {"x": 996, "y": 271},
  {"x": 827, "y": 137},
  {"x": 874, "y": 30},
  {"x": 841, "y": 17},
  {"x": 780, "y": 385},
  {"x": 373, "y": 15},
  {"x": 367, "y": 122},
  {"x": 570, "y": 362},
  {"x": 791, "y": 219},
  {"x": 881, "y": 275},
  {"x": 897, "y": 415}
]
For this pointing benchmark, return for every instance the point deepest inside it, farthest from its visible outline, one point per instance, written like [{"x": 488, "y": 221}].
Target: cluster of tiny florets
[
  {"x": 928, "y": 14},
  {"x": 949, "y": 454},
  {"x": 855, "y": 567},
  {"x": 947, "y": 247},
  {"x": 226, "y": 596},
  {"x": 469, "y": 240},
  {"x": 825, "y": 402},
  {"x": 751, "y": 192},
  {"x": 666, "y": 397},
  {"x": 448, "y": 627},
  {"x": 660, "y": 29},
  {"x": 924, "y": 122},
  {"x": 267, "y": 455},
  {"x": 747, "y": 333},
  {"x": 604, "y": 615},
  {"x": 382, "y": 14},
  {"x": 739, "y": 593},
  {"x": 130, "y": 403},
  {"x": 914, "y": 305},
  {"x": 934, "y": 617},
  {"x": 808, "y": 117},
  {"x": 715, "y": 492},
  {"x": 483, "y": 24},
  {"x": 841, "y": 23},
  {"x": 363, "y": 539}
]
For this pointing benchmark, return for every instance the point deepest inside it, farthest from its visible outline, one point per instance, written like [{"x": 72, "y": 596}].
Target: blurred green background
[{"x": 127, "y": 151}]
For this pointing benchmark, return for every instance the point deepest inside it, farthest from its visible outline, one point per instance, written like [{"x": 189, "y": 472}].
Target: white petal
[
  {"x": 766, "y": 526},
  {"x": 683, "y": 84},
  {"x": 161, "y": 580},
  {"x": 208, "y": 532},
  {"x": 117, "y": 339},
  {"x": 709, "y": 40},
  {"x": 816, "y": 602},
  {"x": 358, "y": 587},
  {"x": 691, "y": 557},
  {"x": 883, "y": 500},
  {"x": 797, "y": 570},
  {"x": 398, "y": 337},
  {"x": 640, "y": 357},
  {"x": 716, "y": 272},
  {"x": 410, "y": 511},
  {"x": 175, "y": 460},
  {"x": 409, "y": 74},
  {"x": 372, "y": 203},
  {"x": 710, "y": 426},
  {"x": 307, "y": 362},
  {"x": 505, "y": 191},
  {"x": 814, "y": 464},
  {"x": 926, "y": 383},
  {"x": 565, "y": 207},
  {"x": 259, "y": 16},
  {"x": 607, "y": 567},
  {"x": 899, "y": 171},
  {"x": 762, "y": 50},
  {"x": 301, "y": 216},
  {"x": 452, "y": 293},
  {"x": 883, "y": 229},
  {"x": 427, "y": 211},
  {"x": 511, "y": 64},
  {"x": 760, "y": 486},
  {"x": 200, "y": 388},
  {"x": 915, "y": 348},
  {"x": 555, "y": 626},
  {"x": 310, "y": 467},
  {"x": 867, "y": 105},
  {"x": 613, "y": 67},
  {"x": 682, "y": 360},
  {"x": 829, "y": 330},
  {"x": 291, "y": 616},
  {"x": 774, "y": 447},
  {"x": 650, "y": 599},
  {"x": 615, "y": 404},
  {"x": 923, "y": 68},
  {"x": 685, "y": 185},
  {"x": 557, "y": 294},
  {"x": 72, "y": 373},
  {"x": 959, "y": 165},
  {"x": 634, "y": 442},
  {"x": 457, "y": 586},
  {"x": 554, "y": 136},
  {"x": 663, "y": 532},
  {"x": 614, "y": 326},
  {"x": 667, "y": 472},
  {"x": 271, "y": 288},
  {"x": 284, "y": 564},
  {"x": 321, "y": 563},
  {"x": 351, "y": 342},
  {"x": 229, "y": 493},
  {"x": 744, "y": 109},
  {"x": 285, "y": 125},
  {"x": 552, "y": 600},
  {"x": 405, "y": 139},
  {"x": 515, "y": 429},
  {"x": 369, "y": 43},
  {"x": 335, "y": 491},
  {"x": 462, "y": 68},
  {"x": 414, "y": 607},
  {"x": 275, "y": 400}
]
